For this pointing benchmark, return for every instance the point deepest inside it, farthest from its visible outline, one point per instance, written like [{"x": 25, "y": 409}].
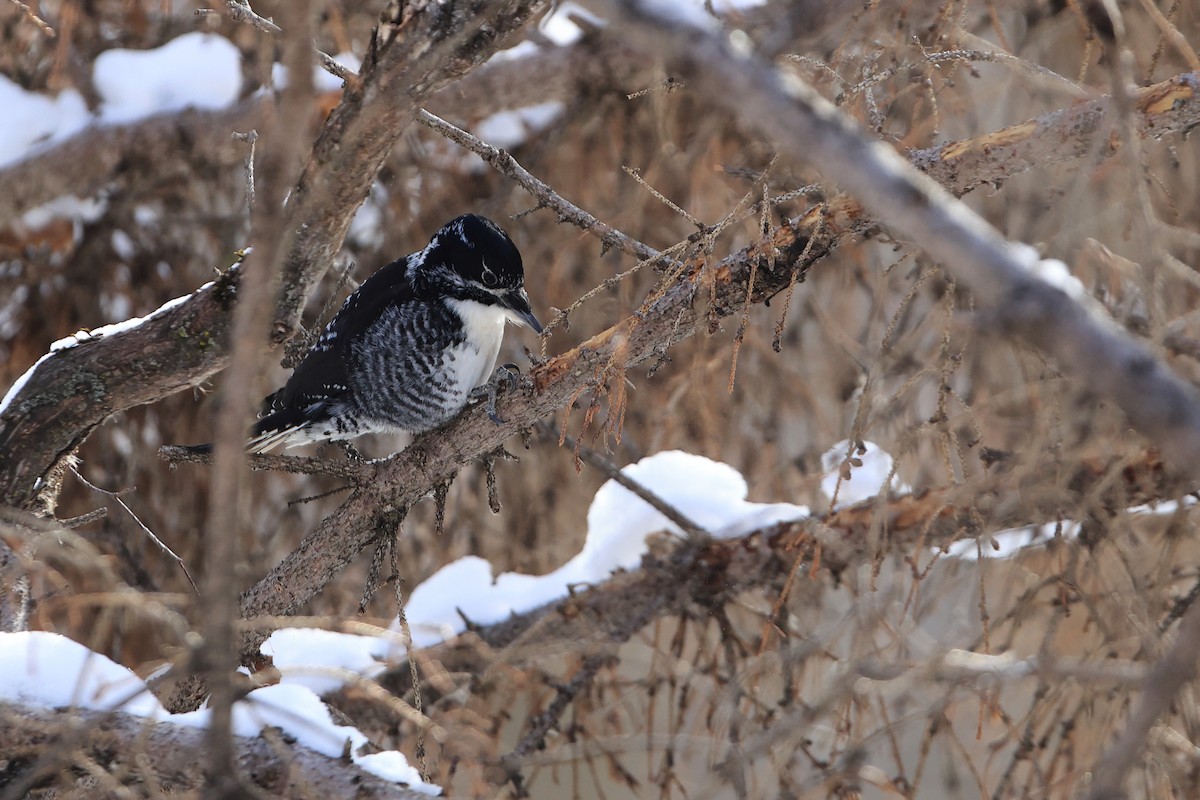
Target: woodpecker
[{"x": 406, "y": 350}]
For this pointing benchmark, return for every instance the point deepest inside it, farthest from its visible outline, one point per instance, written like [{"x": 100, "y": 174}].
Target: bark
[{"x": 41, "y": 745}]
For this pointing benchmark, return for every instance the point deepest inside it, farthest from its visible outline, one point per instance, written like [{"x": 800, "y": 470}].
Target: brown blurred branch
[
  {"x": 125, "y": 155},
  {"x": 1165, "y": 108},
  {"x": 139, "y": 152},
  {"x": 1168, "y": 677},
  {"x": 41, "y": 743},
  {"x": 1014, "y": 302}
]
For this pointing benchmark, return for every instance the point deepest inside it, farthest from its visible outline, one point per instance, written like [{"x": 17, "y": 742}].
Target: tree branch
[
  {"x": 37, "y": 742},
  {"x": 1017, "y": 302}
]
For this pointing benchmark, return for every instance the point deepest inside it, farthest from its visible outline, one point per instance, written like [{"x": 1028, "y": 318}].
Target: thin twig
[
  {"x": 84, "y": 519},
  {"x": 240, "y": 11},
  {"x": 35, "y": 19},
  {"x": 250, "y": 137},
  {"x": 1161, "y": 686},
  {"x": 504, "y": 163},
  {"x": 161, "y": 545},
  {"x": 355, "y": 472},
  {"x": 691, "y": 529}
]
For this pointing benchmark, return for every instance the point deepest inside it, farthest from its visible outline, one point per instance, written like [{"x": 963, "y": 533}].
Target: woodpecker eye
[{"x": 489, "y": 278}]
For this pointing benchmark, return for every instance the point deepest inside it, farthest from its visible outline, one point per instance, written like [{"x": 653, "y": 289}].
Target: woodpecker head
[{"x": 473, "y": 259}]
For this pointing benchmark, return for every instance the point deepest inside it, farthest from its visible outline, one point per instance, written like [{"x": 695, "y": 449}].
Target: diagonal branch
[{"x": 1004, "y": 277}]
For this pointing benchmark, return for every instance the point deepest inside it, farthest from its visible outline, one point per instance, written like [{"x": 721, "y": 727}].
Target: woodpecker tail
[{"x": 275, "y": 429}]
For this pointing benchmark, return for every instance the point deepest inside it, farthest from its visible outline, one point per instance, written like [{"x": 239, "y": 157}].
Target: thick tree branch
[{"x": 39, "y": 744}]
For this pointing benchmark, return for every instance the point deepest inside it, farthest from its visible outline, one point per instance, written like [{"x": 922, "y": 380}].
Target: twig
[
  {"x": 337, "y": 70},
  {"x": 694, "y": 532},
  {"x": 544, "y": 721},
  {"x": 35, "y": 19},
  {"x": 636, "y": 174},
  {"x": 1003, "y": 276},
  {"x": 1172, "y": 34},
  {"x": 352, "y": 471},
  {"x": 161, "y": 545},
  {"x": 240, "y": 11},
  {"x": 505, "y": 164},
  {"x": 251, "y": 138},
  {"x": 1170, "y": 674},
  {"x": 84, "y": 519}
]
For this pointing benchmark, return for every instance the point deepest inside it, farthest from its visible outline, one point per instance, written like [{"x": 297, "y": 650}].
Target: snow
[
  {"x": 864, "y": 481},
  {"x": 507, "y": 129},
  {"x": 195, "y": 70},
  {"x": 558, "y": 27},
  {"x": 81, "y": 210},
  {"x": 51, "y": 670},
  {"x": 369, "y": 222},
  {"x": 320, "y": 659},
  {"x": 711, "y": 494},
  {"x": 1050, "y": 270},
  {"x": 33, "y": 120},
  {"x": 1007, "y": 543},
  {"x": 122, "y": 245},
  {"x": 46, "y": 669}
]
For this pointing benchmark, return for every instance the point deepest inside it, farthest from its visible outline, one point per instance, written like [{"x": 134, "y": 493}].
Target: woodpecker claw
[{"x": 505, "y": 373}]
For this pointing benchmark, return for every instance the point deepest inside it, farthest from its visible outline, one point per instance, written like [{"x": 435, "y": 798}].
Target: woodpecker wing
[{"x": 321, "y": 379}]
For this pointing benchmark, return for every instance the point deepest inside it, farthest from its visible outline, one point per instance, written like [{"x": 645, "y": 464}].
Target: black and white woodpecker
[{"x": 407, "y": 350}]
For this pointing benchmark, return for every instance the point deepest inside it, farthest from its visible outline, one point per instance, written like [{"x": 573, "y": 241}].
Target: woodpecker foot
[
  {"x": 505, "y": 374},
  {"x": 351, "y": 451}
]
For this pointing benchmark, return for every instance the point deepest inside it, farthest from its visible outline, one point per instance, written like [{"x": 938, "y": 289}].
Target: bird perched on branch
[{"x": 407, "y": 350}]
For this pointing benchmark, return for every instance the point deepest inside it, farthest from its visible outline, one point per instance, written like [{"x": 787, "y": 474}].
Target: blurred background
[{"x": 877, "y": 344}]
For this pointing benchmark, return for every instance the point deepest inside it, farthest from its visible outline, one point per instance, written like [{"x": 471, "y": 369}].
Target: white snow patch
[
  {"x": 711, "y": 494},
  {"x": 40, "y": 668},
  {"x": 367, "y": 226},
  {"x": 1007, "y": 543},
  {"x": 1050, "y": 270},
  {"x": 195, "y": 70},
  {"x": 51, "y": 670},
  {"x": 690, "y": 15},
  {"x": 145, "y": 216},
  {"x": 33, "y": 120},
  {"x": 521, "y": 50},
  {"x": 507, "y": 129},
  {"x": 393, "y": 766},
  {"x": 865, "y": 481},
  {"x": 558, "y": 27},
  {"x": 82, "y": 211},
  {"x": 320, "y": 659},
  {"x": 122, "y": 245}
]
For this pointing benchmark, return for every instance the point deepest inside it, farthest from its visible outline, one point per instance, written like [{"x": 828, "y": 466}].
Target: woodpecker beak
[{"x": 517, "y": 302}]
